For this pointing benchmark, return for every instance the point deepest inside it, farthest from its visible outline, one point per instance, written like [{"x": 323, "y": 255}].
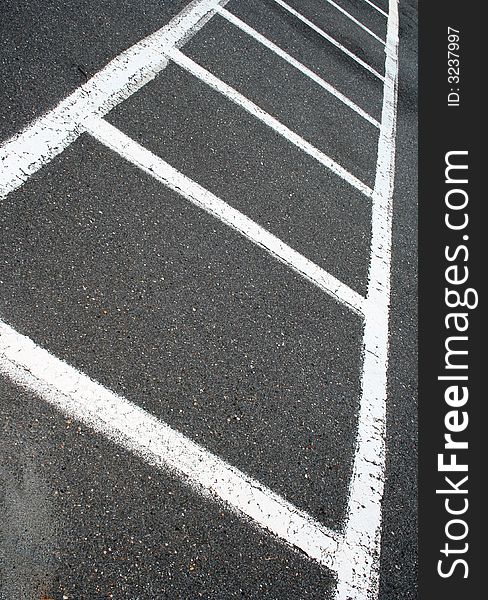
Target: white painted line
[
  {"x": 329, "y": 38},
  {"x": 354, "y": 20},
  {"x": 354, "y": 555},
  {"x": 229, "y": 92},
  {"x": 195, "y": 193},
  {"x": 49, "y": 135},
  {"x": 357, "y": 562},
  {"x": 132, "y": 428},
  {"x": 295, "y": 63},
  {"x": 380, "y": 10}
]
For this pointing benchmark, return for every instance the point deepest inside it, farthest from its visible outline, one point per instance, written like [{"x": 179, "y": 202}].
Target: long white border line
[
  {"x": 128, "y": 425},
  {"x": 354, "y": 20},
  {"x": 295, "y": 63},
  {"x": 49, "y": 135},
  {"x": 380, "y": 10},
  {"x": 357, "y": 563},
  {"x": 232, "y": 94},
  {"x": 139, "y": 156},
  {"x": 329, "y": 38}
]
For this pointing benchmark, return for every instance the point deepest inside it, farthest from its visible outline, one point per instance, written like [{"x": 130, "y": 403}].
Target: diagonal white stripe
[
  {"x": 354, "y": 20},
  {"x": 195, "y": 193},
  {"x": 380, "y": 10},
  {"x": 217, "y": 84},
  {"x": 329, "y": 38},
  {"x": 295, "y": 63},
  {"x": 131, "y": 427},
  {"x": 354, "y": 555},
  {"x": 35, "y": 146}
]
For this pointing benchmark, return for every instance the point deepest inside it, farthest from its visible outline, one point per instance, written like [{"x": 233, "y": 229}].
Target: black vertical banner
[{"x": 452, "y": 323}]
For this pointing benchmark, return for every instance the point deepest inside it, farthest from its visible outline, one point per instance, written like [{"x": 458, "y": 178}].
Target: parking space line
[
  {"x": 36, "y": 145},
  {"x": 123, "y": 145},
  {"x": 329, "y": 38},
  {"x": 232, "y": 94},
  {"x": 295, "y": 63},
  {"x": 354, "y": 554},
  {"x": 131, "y": 427},
  {"x": 380, "y": 10},
  {"x": 354, "y": 20},
  {"x": 357, "y": 562}
]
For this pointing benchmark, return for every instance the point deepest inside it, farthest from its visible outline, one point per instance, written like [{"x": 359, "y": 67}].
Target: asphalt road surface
[{"x": 208, "y": 299}]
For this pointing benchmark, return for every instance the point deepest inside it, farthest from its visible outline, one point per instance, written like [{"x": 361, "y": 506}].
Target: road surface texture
[{"x": 208, "y": 299}]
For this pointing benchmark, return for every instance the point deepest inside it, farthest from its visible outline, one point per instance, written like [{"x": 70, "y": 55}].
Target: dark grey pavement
[{"x": 125, "y": 280}]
